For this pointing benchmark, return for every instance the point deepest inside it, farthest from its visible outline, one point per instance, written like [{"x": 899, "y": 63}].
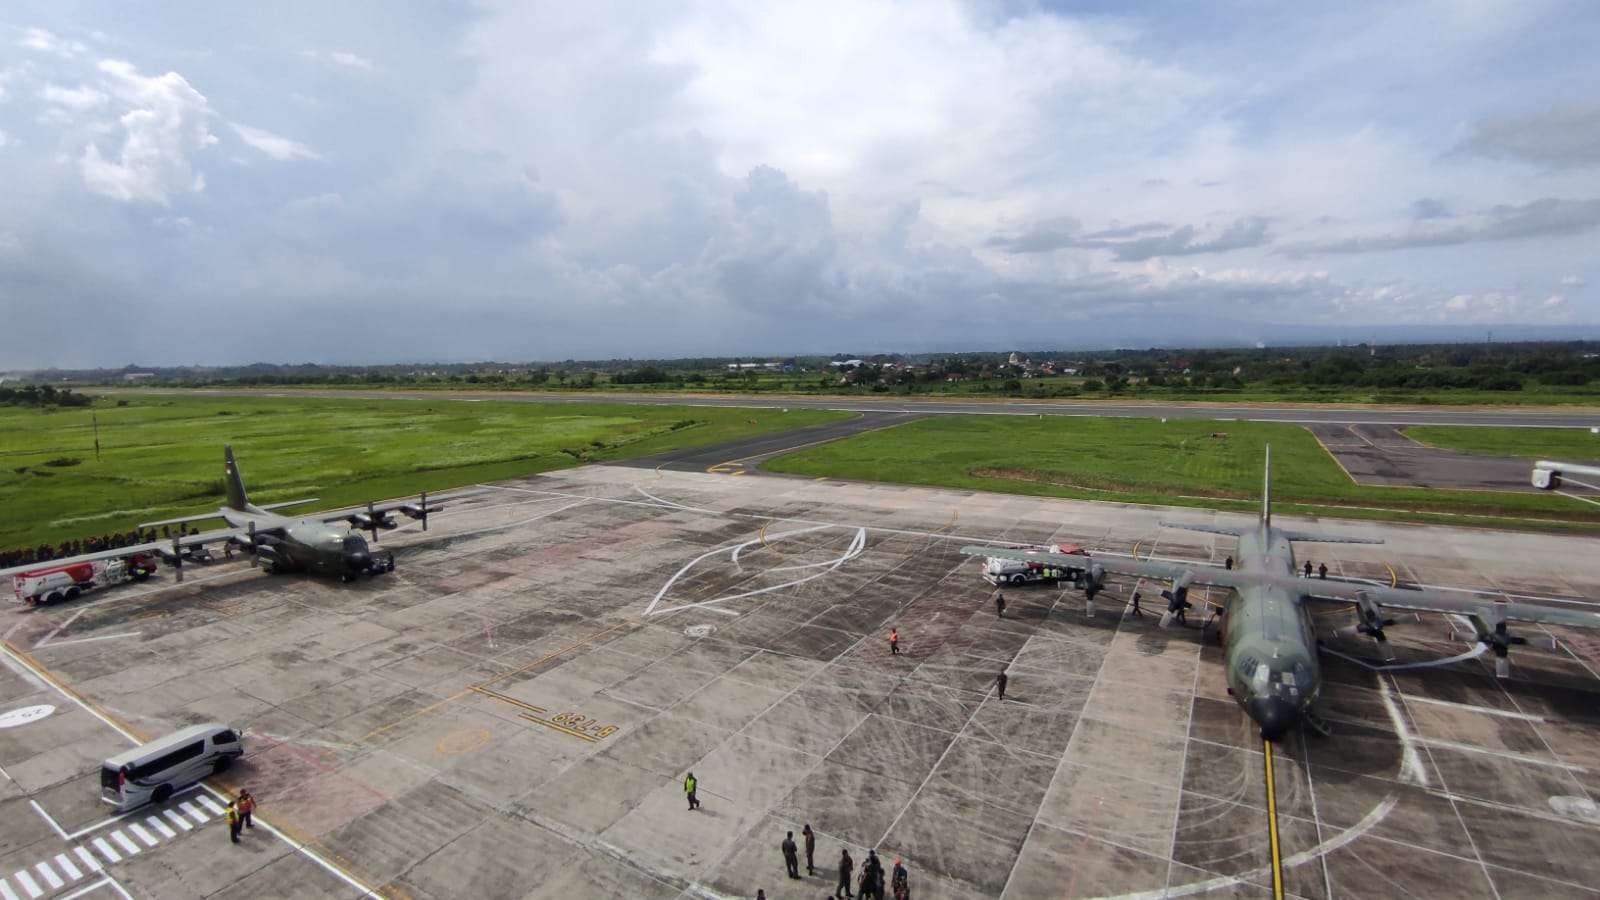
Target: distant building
[
  {"x": 847, "y": 363},
  {"x": 138, "y": 376}
]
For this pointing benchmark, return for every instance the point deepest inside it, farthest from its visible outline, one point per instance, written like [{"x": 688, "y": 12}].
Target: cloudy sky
[{"x": 387, "y": 181}]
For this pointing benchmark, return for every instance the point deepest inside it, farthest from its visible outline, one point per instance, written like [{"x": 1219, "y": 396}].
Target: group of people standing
[{"x": 869, "y": 884}]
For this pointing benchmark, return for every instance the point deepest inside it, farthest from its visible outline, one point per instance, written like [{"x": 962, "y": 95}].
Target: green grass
[
  {"x": 162, "y": 456},
  {"x": 1573, "y": 444},
  {"x": 1184, "y": 463}
]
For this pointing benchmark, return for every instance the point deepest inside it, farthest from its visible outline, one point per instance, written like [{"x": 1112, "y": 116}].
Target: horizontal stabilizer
[
  {"x": 283, "y": 503},
  {"x": 1315, "y": 538},
  {"x": 1208, "y": 529}
]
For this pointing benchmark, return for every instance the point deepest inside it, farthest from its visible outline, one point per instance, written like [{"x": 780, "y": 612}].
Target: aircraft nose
[
  {"x": 1274, "y": 714},
  {"x": 357, "y": 559}
]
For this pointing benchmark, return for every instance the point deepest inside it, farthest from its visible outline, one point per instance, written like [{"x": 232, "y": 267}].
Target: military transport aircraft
[
  {"x": 1267, "y": 631},
  {"x": 309, "y": 543}
]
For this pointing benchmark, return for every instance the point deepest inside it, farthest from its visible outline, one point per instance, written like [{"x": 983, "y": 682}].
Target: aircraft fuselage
[
  {"x": 308, "y": 545},
  {"x": 1270, "y": 645}
]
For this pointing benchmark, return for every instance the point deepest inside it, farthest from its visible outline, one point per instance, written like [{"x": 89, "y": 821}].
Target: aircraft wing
[
  {"x": 411, "y": 507},
  {"x": 149, "y": 547},
  {"x": 1321, "y": 538},
  {"x": 1195, "y": 573},
  {"x": 1473, "y": 606}
]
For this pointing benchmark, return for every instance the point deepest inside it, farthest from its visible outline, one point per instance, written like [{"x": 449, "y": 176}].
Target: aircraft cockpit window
[
  {"x": 1302, "y": 675},
  {"x": 1247, "y": 667}
]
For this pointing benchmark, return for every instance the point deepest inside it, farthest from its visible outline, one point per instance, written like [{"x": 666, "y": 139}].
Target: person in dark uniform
[
  {"x": 1136, "y": 608},
  {"x": 791, "y": 856},
  {"x": 1000, "y": 684},
  {"x": 999, "y": 610},
  {"x": 811, "y": 848},
  {"x": 1308, "y": 568},
  {"x": 1322, "y": 571},
  {"x": 872, "y": 876},
  {"x": 1227, "y": 563},
  {"x": 846, "y": 867}
]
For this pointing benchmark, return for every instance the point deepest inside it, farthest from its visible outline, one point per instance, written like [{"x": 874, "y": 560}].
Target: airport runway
[{"x": 1542, "y": 417}]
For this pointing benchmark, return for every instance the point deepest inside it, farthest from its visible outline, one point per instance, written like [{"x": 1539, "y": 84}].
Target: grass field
[
  {"x": 162, "y": 456},
  {"x": 1573, "y": 444},
  {"x": 1181, "y": 462}
]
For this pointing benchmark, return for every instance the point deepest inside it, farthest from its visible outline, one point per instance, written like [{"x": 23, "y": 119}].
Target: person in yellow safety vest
[
  {"x": 689, "y": 785},
  {"x": 233, "y": 821}
]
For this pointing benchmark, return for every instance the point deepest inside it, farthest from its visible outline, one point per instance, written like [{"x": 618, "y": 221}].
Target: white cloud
[
  {"x": 166, "y": 121},
  {"x": 5, "y": 140},
  {"x": 46, "y": 42},
  {"x": 79, "y": 98},
  {"x": 342, "y": 58},
  {"x": 276, "y": 146}
]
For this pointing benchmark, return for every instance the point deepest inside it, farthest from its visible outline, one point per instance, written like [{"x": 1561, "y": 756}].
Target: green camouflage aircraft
[{"x": 1267, "y": 631}]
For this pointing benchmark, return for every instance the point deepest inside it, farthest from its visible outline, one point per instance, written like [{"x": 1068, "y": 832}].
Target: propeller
[
  {"x": 1092, "y": 581},
  {"x": 1177, "y": 598},
  {"x": 372, "y": 520},
  {"x": 1370, "y": 622},
  {"x": 419, "y": 510},
  {"x": 1500, "y": 640}
]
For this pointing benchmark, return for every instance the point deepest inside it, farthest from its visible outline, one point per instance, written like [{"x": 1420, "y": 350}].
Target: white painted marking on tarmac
[
  {"x": 90, "y": 640},
  {"x": 1486, "y": 710},
  {"x": 857, "y": 546},
  {"x": 160, "y": 826},
  {"x": 108, "y": 880},
  {"x": 49, "y": 875},
  {"x": 1411, "y": 769},
  {"x": 49, "y": 821},
  {"x": 28, "y": 884},
  {"x": 199, "y": 817},
  {"x": 669, "y": 503},
  {"x": 65, "y": 865},
  {"x": 6, "y": 892},
  {"x": 709, "y": 553},
  {"x": 1502, "y": 754},
  {"x": 178, "y": 820},
  {"x": 59, "y": 628},
  {"x": 128, "y": 847},
  {"x": 209, "y": 804},
  {"x": 106, "y": 851},
  {"x": 88, "y": 858},
  {"x": 1372, "y": 818},
  {"x": 143, "y": 835},
  {"x": 25, "y": 715},
  {"x": 1477, "y": 651}
]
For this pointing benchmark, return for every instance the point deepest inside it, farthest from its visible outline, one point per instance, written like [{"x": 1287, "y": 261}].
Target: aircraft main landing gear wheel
[{"x": 162, "y": 794}]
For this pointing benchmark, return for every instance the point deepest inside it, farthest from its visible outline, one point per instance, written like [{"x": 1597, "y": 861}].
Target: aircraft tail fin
[
  {"x": 235, "y": 486},
  {"x": 1266, "y": 490}
]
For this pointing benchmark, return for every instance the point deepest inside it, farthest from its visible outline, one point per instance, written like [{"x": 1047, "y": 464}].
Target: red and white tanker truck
[{"x": 48, "y": 583}]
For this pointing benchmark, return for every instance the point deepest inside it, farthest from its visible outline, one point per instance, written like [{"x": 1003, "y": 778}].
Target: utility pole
[{"x": 96, "y": 420}]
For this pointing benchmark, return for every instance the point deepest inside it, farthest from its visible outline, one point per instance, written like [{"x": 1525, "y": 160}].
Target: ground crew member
[
  {"x": 872, "y": 876},
  {"x": 846, "y": 866},
  {"x": 999, "y": 608},
  {"x": 233, "y": 821},
  {"x": 1227, "y": 563},
  {"x": 1322, "y": 571},
  {"x": 689, "y": 785},
  {"x": 247, "y": 804},
  {"x": 791, "y": 856},
  {"x": 811, "y": 848},
  {"x": 1000, "y": 684},
  {"x": 900, "y": 882},
  {"x": 1308, "y": 568},
  {"x": 1136, "y": 609},
  {"x": 894, "y": 642}
]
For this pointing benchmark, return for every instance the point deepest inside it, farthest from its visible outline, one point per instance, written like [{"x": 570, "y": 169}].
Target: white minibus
[{"x": 151, "y": 772}]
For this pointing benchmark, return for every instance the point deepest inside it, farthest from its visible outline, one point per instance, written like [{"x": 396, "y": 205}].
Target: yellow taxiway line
[{"x": 1272, "y": 825}]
